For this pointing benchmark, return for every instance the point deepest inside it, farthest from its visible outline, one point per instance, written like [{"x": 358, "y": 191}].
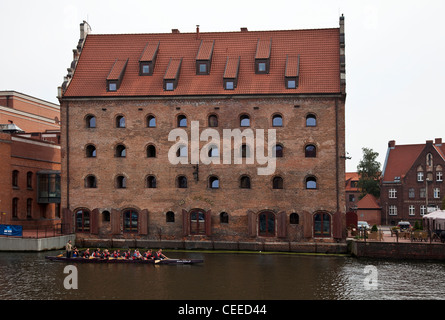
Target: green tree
[{"x": 369, "y": 173}]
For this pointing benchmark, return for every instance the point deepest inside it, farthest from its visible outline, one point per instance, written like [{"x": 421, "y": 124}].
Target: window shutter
[
  {"x": 95, "y": 221},
  {"x": 143, "y": 222},
  {"x": 67, "y": 220},
  {"x": 282, "y": 225},
  {"x": 115, "y": 221},
  {"x": 185, "y": 223},
  {"x": 251, "y": 223},
  {"x": 208, "y": 222}
]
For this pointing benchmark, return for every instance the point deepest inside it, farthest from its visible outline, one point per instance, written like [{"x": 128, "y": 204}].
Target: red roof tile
[
  {"x": 150, "y": 51},
  {"x": 205, "y": 50},
  {"x": 368, "y": 202},
  {"x": 232, "y": 67},
  {"x": 292, "y": 66},
  {"x": 263, "y": 49},
  {"x": 319, "y": 52},
  {"x": 174, "y": 66},
  {"x": 117, "y": 69}
]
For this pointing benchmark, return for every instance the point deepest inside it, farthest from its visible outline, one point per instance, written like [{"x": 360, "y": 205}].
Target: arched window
[
  {"x": 151, "y": 151},
  {"x": 120, "y": 122},
  {"x": 245, "y": 151},
  {"x": 181, "y": 182},
  {"x": 213, "y": 152},
  {"x": 130, "y": 217},
  {"x": 90, "y": 151},
  {"x": 197, "y": 222},
  {"x": 29, "y": 180},
  {"x": 182, "y": 121},
  {"x": 15, "y": 207},
  {"x": 213, "y": 182},
  {"x": 90, "y": 121},
  {"x": 277, "y": 183},
  {"x": 311, "y": 120},
  {"x": 120, "y": 151},
  {"x": 244, "y": 120},
  {"x": 181, "y": 152},
  {"x": 15, "y": 178},
  {"x": 90, "y": 181},
  {"x": 245, "y": 182},
  {"x": 311, "y": 183},
  {"x": 151, "y": 121},
  {"x": 278, "y": 151},
  {"x": 151, "y": 182},
  {"x": 322, "y": 225},
  {"x": 29, "y": 208},
  {"x": 266, "y": 224},
  {"x": 82, "y": 220},
  {"x": 223, "y": 217},
  {"x": 277, "y": 120},
  {"x": 294, "y": 218},
  {"x": 213, "y": 121},
  {"x": 170, "y": 216},
  {"x": 121, "y": 182},
  {"x": 310, "y": 151}
]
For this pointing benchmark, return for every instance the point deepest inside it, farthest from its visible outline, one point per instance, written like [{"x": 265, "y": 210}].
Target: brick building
[
  {"x": 412, "y": 181},
  {"x": 124, "y": 177},
  {"x": 30, "y": 161}
]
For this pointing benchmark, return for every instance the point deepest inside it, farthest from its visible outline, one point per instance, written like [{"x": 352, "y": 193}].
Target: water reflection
[{"x": 223, "y": 276}]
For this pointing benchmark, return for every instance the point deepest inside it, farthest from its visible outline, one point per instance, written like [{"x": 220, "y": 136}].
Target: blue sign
[{"x": 10, "y": 230}]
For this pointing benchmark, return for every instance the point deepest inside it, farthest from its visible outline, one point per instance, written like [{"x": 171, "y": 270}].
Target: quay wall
[
  {"x": 34, "y": 244},
  {"x": 300, "y": 247},
  {"x": 397, "y": 250}
]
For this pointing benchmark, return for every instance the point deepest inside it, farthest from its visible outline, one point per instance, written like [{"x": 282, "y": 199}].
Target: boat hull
[{"x": 120, "y": 260}]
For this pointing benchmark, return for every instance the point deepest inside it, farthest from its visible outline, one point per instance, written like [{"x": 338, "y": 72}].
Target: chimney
[
  {"x": 197, "y": 31},
  {"x": 175, "y": 31},
  {"x": 85, "y": 29},
  {"x": 438, "y": 142},
  {"x": 244, "y": 29},
  {"x": 392, "y": 144}
]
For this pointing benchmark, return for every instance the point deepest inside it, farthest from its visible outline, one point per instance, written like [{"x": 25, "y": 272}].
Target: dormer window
[
  {"x": 262, "y": 56},
  {"x": 148, "y": 59},
  {"x": 171, "y": 76},
  {"x": 116, "y": 75},
  {"x": 230, "y": 79},
  {"x": 292, "y": 72},
  {"x": 204, "y": 57}
]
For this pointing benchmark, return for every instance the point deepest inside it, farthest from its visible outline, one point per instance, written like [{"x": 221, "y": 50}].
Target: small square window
[
  {"x": 112, "y": 86},
  {"x": 229, "y": 85},
  {"x": 262, "y": 67},
  {"x": 145, "y": 69},
  {"x": 291, "y": 84},
  {"x": 202, "y": 68},
  {"x": 169, "y": 86}
]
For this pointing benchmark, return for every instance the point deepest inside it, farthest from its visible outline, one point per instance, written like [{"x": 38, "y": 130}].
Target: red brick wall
[{"x": 328, "y": 167}]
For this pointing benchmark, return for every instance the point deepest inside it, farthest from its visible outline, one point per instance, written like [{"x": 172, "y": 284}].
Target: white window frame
[
  {"x": 392, "y": 210},
  {"x": 412, "y": 210},
  {"x": 392, "y": 193},
  {"x": 420, "y": 176}
]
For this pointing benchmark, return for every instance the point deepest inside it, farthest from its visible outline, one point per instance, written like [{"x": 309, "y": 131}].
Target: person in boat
[
  {"x": 148, "y": 255},
  {"x": 160, "y": 256},
  {"x": 116, "y": 254},
  {"x": 137, "y": 255},
  {"x": 69, "y": 249},
  {"x": 105, "y": 254},
  {"x": 127, "y": 255},
  {"x": 86, "y": 254},
  {"x": 96, "y": 253},
  {"x": 75, "y": 252}
]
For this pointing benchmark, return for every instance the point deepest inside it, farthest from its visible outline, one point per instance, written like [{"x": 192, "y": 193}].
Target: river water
[{"x": 230, "y": 276}]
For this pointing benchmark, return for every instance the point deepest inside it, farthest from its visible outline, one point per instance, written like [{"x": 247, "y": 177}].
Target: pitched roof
[
  {"x": 368, "y": 202},
  {"x": 319, "y": 71},
  {"x": 400, "y": 158}
]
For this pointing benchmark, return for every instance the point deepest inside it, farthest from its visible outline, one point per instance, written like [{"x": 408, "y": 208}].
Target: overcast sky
[{"x": 395, "y": 51}]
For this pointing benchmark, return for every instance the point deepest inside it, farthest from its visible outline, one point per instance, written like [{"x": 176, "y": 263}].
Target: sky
[{"x": 395, "y": 66}]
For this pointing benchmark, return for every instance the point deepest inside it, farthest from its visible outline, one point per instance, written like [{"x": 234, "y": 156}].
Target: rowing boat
[{"x": 121, "y": 260}]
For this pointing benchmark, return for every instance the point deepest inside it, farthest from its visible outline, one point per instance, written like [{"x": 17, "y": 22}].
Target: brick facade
[{"x": 99, "y": 204}]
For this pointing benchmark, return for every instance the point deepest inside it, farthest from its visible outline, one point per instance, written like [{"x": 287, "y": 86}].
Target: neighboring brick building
[
  {"x": 125, "y": 93},
  {"x": 412, "y": 181},
  {"x": 352, "y": 191},
  {"x": 30, "y": 161}
]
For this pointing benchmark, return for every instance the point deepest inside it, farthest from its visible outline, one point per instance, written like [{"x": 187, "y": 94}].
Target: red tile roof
[
  {"x": 319, "y": 51},
  {"x": 368, "y": 202},
  {"x": 117, "y": 69}
]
